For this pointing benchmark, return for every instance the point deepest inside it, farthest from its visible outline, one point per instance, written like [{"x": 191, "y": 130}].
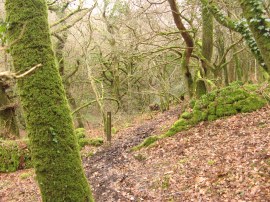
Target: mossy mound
[
  {"x": 96, "y": 142},
  {"x": 233, "y": 99},
  {"x": 14, "y": 155},
  {"x": 148, "y": 141}
]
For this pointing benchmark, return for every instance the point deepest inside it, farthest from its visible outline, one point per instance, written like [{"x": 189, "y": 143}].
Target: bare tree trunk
[{"x": 188, "y": 81}]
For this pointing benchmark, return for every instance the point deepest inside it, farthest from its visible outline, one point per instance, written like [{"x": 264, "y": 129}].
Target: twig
[
  {"x": 27, "y": 72},
  {"x": 11, "y": 75}
]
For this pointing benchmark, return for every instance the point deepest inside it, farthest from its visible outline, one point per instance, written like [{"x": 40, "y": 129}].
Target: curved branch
[{"x": 179, "y": 24}]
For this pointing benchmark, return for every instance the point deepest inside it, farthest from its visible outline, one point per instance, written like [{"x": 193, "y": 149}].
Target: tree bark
[
  {"x": 260, "y": 28},
  {"x": 240, "y": 27},
  {"x": 49, "y": 124},
  {"x": 207, "y": 47},
  {"x": 188, "y": 81}
]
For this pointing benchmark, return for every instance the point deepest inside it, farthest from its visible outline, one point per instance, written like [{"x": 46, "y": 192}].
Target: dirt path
[
  {"x": 107, "y": 167},
  {"x": 224, "y": 160}
]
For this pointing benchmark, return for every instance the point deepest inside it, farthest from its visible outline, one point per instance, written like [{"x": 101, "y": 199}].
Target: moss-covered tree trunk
[
  {"x": 253, "y": 11},
  {"x": 207, "y": 47},
  {"x": 237, "y": 26},
  {"x": 221, "y": 71},
  {"x": 49, "y": 124}
]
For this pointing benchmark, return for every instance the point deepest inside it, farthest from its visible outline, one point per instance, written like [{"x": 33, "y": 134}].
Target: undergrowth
[{"x": 16, "y": 154}]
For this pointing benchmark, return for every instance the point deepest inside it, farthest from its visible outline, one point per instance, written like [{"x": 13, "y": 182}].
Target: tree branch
[{"x": 10, "y": 75}]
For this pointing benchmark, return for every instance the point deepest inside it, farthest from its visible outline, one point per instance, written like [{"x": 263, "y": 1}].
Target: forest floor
[{"x": 223, "y": 160}]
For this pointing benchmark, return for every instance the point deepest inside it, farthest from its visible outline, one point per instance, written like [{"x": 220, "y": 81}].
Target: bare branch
[
  {"x": 156, "y": 2},
  {"x": 68, "y": 16},
  {"x": 10, "y": 75}
]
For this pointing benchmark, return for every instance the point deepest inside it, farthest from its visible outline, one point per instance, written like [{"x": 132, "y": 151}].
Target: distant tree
[
  {"x": 61, "y": 35},
  {"x": 188, "y": 80},
  {"x": 207, "y": 47},
  {"x": 50, "y": 129}
]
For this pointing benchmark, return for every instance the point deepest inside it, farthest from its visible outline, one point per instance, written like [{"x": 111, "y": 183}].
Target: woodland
[{"x": 142, "y": 100}]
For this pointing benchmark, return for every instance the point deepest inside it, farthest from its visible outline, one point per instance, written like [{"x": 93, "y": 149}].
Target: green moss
[
  {"x": 198, "y": 115},
  {"x": 96, "y": 142},
  {"x": 178, "y": 126},
  {"x": 231, "y": 95},
  {"x": 165, "y": 182},
  {"x": 250, "y": 104},
  {"x": 211, "y": 162},
  {"x": 14, "y": 155},
  {"x": 183, "y": 161},
  {"x": 225, "y": 110},
  {"x": 25, "y": 175},
  {"x": 186, "y": 115},
  {"x": 204, "y": 101},
  {"x": 210, "y": 97},
  {"x": 90, "y": 154},
  {"x": 80, "y": 133},
  {"x": 199, "y": 105},
  {"x": 54, "y": 146},
  {"x": 251, "y": 88},
  {"x": 237, "y": 84},
  {"x": 83, "y": 141},
  {"x": 212, "y": 108},
  {"x": 147, "y": 142},
  {"x": 114, "y": 130},
  {"x": 180, "y": 122},
  {"x": 259, "y": 28},
  {"x": 238, "y": 94},
  {"x": 219, "y": 103},
  {"x": 150, "y": 140},
  {"x": 212, "y": 117},
  {"x": 192, "y": 103}
]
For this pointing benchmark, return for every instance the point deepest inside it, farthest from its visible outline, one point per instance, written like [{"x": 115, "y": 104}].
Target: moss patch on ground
[
  {"x": 83, "y": 140},
  {"x": 96, "y": 142},
  {"x": 16, "y": 155},
  {"x": 233, "y": 99}
]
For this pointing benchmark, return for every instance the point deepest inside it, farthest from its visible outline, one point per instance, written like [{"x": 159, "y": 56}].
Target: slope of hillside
[{"x": 224, "y": 160}]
